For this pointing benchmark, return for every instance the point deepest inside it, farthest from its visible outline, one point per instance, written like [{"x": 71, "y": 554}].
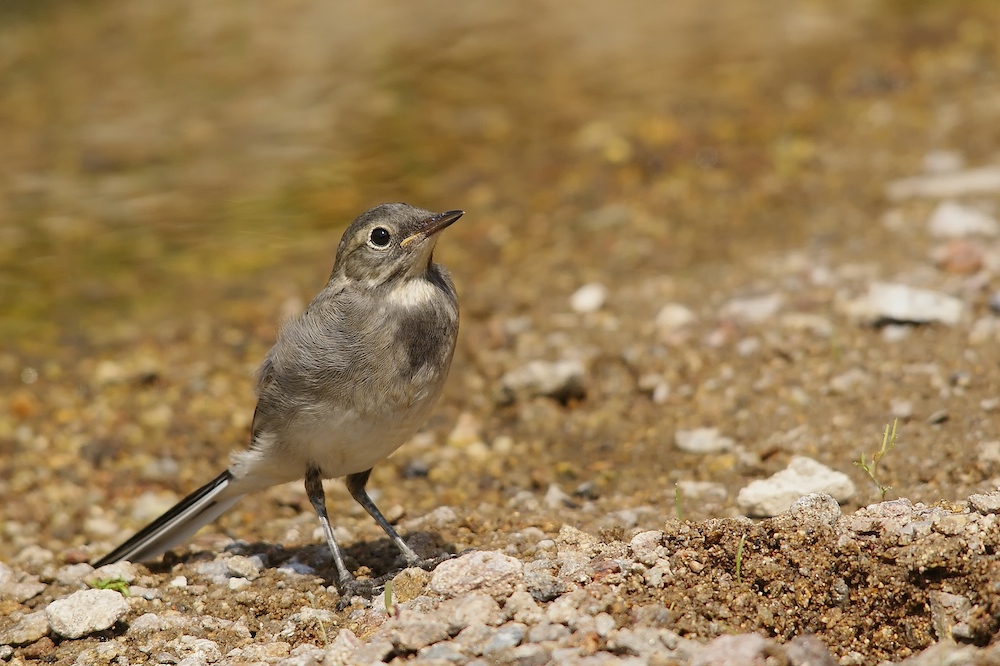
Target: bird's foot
[{"x": 429, "y": 563}]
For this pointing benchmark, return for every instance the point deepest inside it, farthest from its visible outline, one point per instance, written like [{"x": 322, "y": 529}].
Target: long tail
[{"x": 179, "y": 523}]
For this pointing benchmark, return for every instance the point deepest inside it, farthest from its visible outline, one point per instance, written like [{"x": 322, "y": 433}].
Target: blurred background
[{"x": 174, "y": 178}]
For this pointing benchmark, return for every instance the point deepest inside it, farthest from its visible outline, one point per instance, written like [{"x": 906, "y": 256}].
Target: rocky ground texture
[{"x": 710, "y": 260}]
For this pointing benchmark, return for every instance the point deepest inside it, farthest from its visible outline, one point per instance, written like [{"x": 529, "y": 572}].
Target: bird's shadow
[{"x": 373, "y": 563}]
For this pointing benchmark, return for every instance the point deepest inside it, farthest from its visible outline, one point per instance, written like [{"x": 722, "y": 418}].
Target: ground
[{"x": 176, "y": 177}]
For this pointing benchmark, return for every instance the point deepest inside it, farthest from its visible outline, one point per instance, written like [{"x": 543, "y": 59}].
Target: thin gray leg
[
  {"x": 314, "y": 489},
  {"x": 356, "y": 485}
]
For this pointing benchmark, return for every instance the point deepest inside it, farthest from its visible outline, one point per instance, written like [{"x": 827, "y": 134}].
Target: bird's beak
[{"x": 433, "y": 225}]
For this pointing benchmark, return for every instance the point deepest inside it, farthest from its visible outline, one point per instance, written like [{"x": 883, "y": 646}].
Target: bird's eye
[{"x": 379, "y": 237}]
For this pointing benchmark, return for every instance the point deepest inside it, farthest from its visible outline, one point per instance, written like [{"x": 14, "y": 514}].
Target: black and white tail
[{"x": 179, "y": 523}]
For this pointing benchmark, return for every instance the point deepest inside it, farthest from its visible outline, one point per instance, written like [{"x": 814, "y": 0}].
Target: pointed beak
[{"x": 432, "y": 225}]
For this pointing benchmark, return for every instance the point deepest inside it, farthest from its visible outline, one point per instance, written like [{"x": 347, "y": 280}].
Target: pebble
[
  {"x": 85, "y": 612},
  {"x": 194, "y": 650},
  {"x": 557, "y": 498},
  {"x": 702, "y": 441},
  {"x": 893, "y": 302},
  {"x": 769, "y": 497},
  {"x": 588, "y": 298},
  {"x": 949, "y": 615},
  {"x": 752, "y": 310},
  {"x": 984, "y": 180},
  {"x": 508, "y": 636},
  {"x": 816, "y": 508},
  {"x": 995, "y": 302},
  {"x": 74, "y": 574},
  {"x": 674, "y": 316},
  {"x": 28, "y": 629},
  {"x": 959, "y": 257},
  {"x": 954, "y": 220},
  {"x": 985, "y": 503},
  {"x": 18, "y": 586},
  {"x": 562, "y": 380},
  {"x": 492, "y": 573},
  {"x": 412, "y": 634},
  {"x": 244, "y": 567}
]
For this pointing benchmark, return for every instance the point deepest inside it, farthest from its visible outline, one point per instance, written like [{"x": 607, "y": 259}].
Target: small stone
[
  {"x": 410, "y": 583},
  {"x": 816, "y": 508},
  {"x": 603, "y": 624},
  {"x": 527, "y": 655},
  {"x": 238, "y": 583},
  {"x": 74, "y": 574},
  {"x": 947, "y": 611},
  {"x": 490, "y": 572},
  {"x": 769, "y": 497},
  {"x": 18, "y": 586},
  {"x": 901, "y": 409},
  {"x": 588, "y": 298},
  {"x": 674, "y": 316},
  {"x": 985, "y": 503},
  {"x": 702, "y": 441},
  {"x": 543, "y": 586},
  {"x": 411, "y": 635},
  {"x": 124, "y": 570},
  {"x": 953, "y": 220},
  {"x": 847, "y": 382},
  {"x": 703, "y": 491},
  {"x": 508, "y": 636},
  {"x": 940, "y": 416},
  {"x": 475, "y": 608},
  {"x": 198, "y": 650},
  {"x": 443, "y": 652},
  {"x": 808, "y": 650},
  {"x": 562, "y": 380},
  {"x": 43, "y": 647},
  {"x": 752, "y": 310},
  {"x": 958, "y": 257},
  {"x": 983, "y": 180},
  {"x": 647, "y": 547},
  {"x": 343, "y": 646},
  {"x": 28, "y": 629},
  {"x": 943, "y": 161},
  {"x": 86, "y": 612},
  {"x": 899, "y": 303},
  {"x": 556, "y": 498},
  {"x": 522, "y": 607},
  {"x": 734, "y": 650},
  {"x": 244, "y": 567}
]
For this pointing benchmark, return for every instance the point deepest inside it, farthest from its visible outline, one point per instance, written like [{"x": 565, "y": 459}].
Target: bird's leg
[
  {"x": 314, "y": 489},
  {"x": 356, "y": 485}
]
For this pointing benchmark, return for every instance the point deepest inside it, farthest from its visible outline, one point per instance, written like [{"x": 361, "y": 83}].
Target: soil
[{"x": 176, "y": 177}]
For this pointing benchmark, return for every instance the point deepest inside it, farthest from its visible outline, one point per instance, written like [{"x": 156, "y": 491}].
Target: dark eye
[{"x": 380, "y": 237}]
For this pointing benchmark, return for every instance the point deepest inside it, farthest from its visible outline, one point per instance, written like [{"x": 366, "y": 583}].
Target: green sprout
[
  {"x": 871, "y": 469},
  {"x": 388, "y": 598},
  {"x": 677, "y": 502},
  {"x": 118, "y": 584},
  {"x": 739, "y": 559}
]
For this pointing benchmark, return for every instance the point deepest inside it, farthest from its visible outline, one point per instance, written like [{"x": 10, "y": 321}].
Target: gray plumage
[{"x": 346, "y": 383}]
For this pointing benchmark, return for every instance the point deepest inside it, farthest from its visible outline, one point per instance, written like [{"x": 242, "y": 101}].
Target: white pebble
[
  {"x": 673, "y": 316},
  {"x": 803, "y": 476},
  {"x": 702, "y": 441},
  {"x": 589, "y": 298},
  {"x": 85, "y": 612},
  {"x": 953, "y": 220}
]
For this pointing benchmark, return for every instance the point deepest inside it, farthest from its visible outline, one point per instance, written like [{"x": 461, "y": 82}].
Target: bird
[{"x": 346, "y": 383}]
